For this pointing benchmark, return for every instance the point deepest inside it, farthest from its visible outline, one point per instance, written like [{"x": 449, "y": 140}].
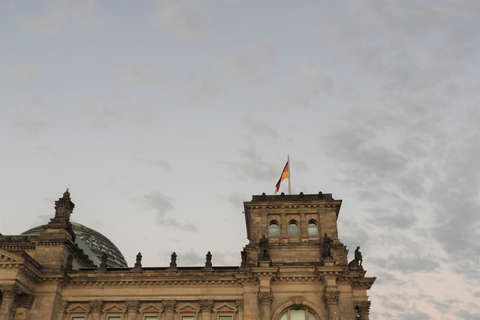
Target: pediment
[
  {"x": 151, "y": 308},
  {"x": 9, "y": 257},
  {"x": 114, "y": 308},
  {"x": 224, "y": 308},
  {"x": 77, "y": 308},
  {"x": 187, "y": 308}
]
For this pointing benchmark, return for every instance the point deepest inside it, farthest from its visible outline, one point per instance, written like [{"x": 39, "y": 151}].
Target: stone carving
[
  {"x": 63, "y": 209},
  {"x": 327, "y": 246},
  {"x": 208, "y": 263},
  {"x": 239, "y": 303},
  {"x": 357, "y": 261},
  {"x": 138, "y": 263},
  {"x": 173, "y": 260},
  {"x": 169, "y": 305},
  {"x": 96, "y": 306},
  {"x": 331, "y": 297},
  {"x": 62, "y": 307},
  {"x": 132, "y": 305},
  {"x": 103, "y": 263},
  {"x": 206, "y": 305},
  {"x": 264, "y": 252},
  {"x": 10, "y": 291},
  {"x": 265, "y": 298}
]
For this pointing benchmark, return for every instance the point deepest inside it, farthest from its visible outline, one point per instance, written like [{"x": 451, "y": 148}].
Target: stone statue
[
  {"x": 208, "y": 263},
  {"x": 63, "y": 209},
  {"x": 103, "y": 263},
  {"x": 264, "y": 253},
  {"x": 138, "y": 263},
  {"x": 173, "y": 261},
  {"x": 327, "y": 246},
  {"x": 358, "y": 257}
]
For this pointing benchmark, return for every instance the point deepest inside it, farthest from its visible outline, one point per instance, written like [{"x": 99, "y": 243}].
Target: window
[
  {"x": 151, "y": 318},
  {"x": 114, "y": 318},
  {"x": 225, "y": 318},
  {"x": 293, "y": 229},
  {"x": 298, "y": 314},
  {"x": 312, "y": 229},
  {"x": 273, "y": 230},
  {"x": 188, "y": 318},
  {"x": 78, "y": 318}
]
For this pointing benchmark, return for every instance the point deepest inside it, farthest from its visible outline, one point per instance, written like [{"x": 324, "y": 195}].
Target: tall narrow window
[
  {"x": 293, "y": 229},
  {"x": 225, "y": 318},
  {"x": 312, "y": 229},
  {"x": 151, "y": 318},
  {"x": 273, "y": 230}
]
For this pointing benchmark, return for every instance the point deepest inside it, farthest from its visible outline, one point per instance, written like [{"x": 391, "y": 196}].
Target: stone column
[
  {"x": 239, "y": 304},
  {"x": 265, "y": 300},
  {"x": 331, "y": 302},
  {"x": 132, "y": 309},
  {"x": 9, "y": 293},
  {"x": 23, "y": 305},
  {"x": 169, "y": 307},
  {"x": 206, "y": 306},
  {"x": 96, "y": 309},
  {"x": 363, "y": 308},
  {"x": 61, "y": 309}
]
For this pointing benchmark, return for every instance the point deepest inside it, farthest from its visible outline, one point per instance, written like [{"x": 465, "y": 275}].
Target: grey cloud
[
  {"x": 158, "y": 163},
  {"x": 260, "y": 128},
  {"x": 162, "y": 205},
  {"x": 466, "y": 315},
  {"x": 59, "y": 16},
  {"x": 31, "y": 128},
  {"x": 186, "y": 19},
  {"x": 190, "y": 258},
  {"x": 414, "y": 315},
  {"x": 140, "y": 75},
  {"x": 313, "y": 78},
  {"x": 408, "y": 263},
  {"x": 203, "y": 91},
  {"x": 242, "y": 67}
]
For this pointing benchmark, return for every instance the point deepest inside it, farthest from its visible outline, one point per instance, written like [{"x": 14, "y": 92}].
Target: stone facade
[{"x": 294, "y": 267}]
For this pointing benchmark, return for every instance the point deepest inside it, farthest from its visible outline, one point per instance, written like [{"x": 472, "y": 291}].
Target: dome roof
[{"x": 95, "y": 242}]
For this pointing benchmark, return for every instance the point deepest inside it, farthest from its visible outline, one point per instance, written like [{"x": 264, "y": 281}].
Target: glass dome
[{"x": 93, "y": 241}]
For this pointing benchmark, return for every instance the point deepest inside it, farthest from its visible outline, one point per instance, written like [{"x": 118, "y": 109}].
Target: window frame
[
  {"x": 272, "y": 223},
  {"x": 297, "y": 229},
  {"x": 311, "y": 228}
]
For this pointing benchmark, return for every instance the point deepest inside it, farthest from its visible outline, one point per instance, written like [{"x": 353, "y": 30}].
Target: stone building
[{"x": 294, "y": 267}]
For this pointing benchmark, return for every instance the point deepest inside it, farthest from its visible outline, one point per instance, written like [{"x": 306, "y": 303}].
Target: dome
[{"x": 94, "y": 244}]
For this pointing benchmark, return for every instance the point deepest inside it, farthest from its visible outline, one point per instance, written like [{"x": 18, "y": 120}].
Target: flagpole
[{"x": 289, "y": 175}]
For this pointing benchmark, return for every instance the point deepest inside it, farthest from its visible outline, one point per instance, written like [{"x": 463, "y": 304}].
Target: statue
[
  {"x": 326, "y": 246},
  {"x": 208, "y": 263},
  {"x": 103, "y": 263},
  {"x": 63, "y": 209},
  {"x": 173, "y": 261},
  {"x": 358, "y": 257},
  {"x": 264, "y": 248},
  {"x": 357, "y": 260},
  {"x": 138, "y": 263}
]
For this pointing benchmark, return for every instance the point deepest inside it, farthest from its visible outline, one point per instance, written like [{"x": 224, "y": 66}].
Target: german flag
[{"x": 285, "y": 175}]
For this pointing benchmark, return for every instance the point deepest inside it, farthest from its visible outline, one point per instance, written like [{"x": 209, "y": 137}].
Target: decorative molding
[
  {"x": 265, "y": 298},
  {"x": 331, "y": 297}
]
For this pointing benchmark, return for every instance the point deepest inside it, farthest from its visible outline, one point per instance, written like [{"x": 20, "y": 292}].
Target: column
[
  {"x": 331, "y": 303},
  {"x": 265, "y": 300},
  {"x": 206, "y": 306},
  {"x": 61, "y": 309},
  {"x": 9, "y": 293},
  {"x": 239, "y": 304},
  {"x": 96, "y": 309},
  {"x": 132, "y": 309},
  {"x": 169, "y": 307},
  {"x": 23, "y": 305},
  {"x": 363, "y": 308}
]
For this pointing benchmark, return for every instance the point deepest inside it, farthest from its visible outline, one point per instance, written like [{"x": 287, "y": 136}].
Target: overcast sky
[{"x": 162, "y": 117}]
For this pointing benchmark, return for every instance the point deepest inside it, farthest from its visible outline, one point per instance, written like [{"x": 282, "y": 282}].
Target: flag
[{"x": 285, "y": 175}]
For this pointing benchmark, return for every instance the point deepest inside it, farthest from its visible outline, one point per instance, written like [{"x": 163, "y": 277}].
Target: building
[{"x": 294, "y": 267}]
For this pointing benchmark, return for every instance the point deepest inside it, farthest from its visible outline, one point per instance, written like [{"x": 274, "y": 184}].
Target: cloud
[
  {"x": 242, "y": 67},
  {"x": 203, "y": 91},
  {"x": 186, "y": 19},
  {"x": 23, "y": 71},
  {"x": 31, "y": 128},
  {"x": 138, "y": 75},
  {"x": 62, "y": 15},
  {"x": 163, "y": 204},
  {"x": 317, "y": 81},
  {"x": 157, "y": 163},
  {"x": 260, "y": 128}
]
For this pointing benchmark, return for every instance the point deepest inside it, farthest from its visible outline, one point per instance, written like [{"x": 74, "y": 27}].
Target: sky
[{"x": 163, "y": 117}]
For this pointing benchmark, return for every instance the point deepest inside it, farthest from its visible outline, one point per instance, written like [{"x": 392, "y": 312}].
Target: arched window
[
  {"x": 298, "y": 314},
  {"x": 273, "y": 229},
  {"x": 293, "y": 229},
  {"x": 312, "y": 229}
]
